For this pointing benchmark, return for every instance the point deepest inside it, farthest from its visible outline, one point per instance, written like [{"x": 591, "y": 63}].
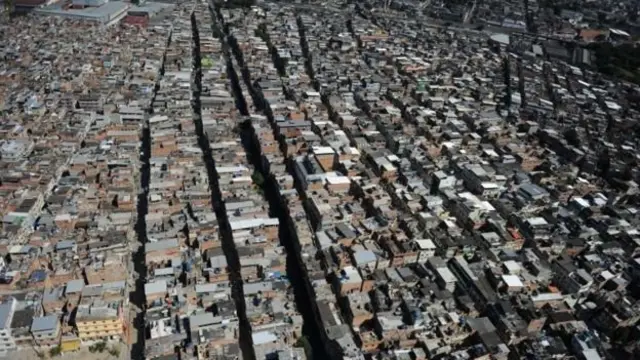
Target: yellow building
[
  {"x": 100, "y": 320},
  {"x": 69, "y": 343}
]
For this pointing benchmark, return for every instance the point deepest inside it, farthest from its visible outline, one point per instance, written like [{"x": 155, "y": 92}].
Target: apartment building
[
  {"x": 7, "y": 342},
  {"x": 100, "y": 320},
  {"x": 46, "y": 331}
]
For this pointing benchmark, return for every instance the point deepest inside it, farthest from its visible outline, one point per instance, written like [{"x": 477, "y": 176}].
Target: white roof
[
  {"x": 537, "y": 221},
  {"x": 231, "y": 169},
  {"x": 446, "y": 275},
  {"x": 501, "y": 38},
  {"x": 512, "y": 281},
  {"x": 607, "y": 275},
  {"x": 334, "y": 180},
  {"x": 241, "y": 179},
  {"x": 323, "y": 150},
  {"x": 582, "y": 202},
  {"x": 489, "y": 185},
  {"x": 619, "y": 32},
  {"x": 63, "y": 217},
  {"x": 612, "y": 105},
  {"x": 352, "y": 150},
  {"x": 512, "y": 266},
  {"x": 393, "y": 158},
  {"x": 426, "y": 244},
  {"x": 263, "y": 337},
  {"x": 252, "y": 223},
  {"x": 156, "y": 287},
  {"x": 158, "y": 118}
]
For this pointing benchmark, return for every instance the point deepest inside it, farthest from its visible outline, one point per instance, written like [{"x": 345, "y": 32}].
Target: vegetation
[
  {"x": 207, "y": 63},
  {"x": 22, "y": 284},
  {"x": 304, "y": 343},
  {"x": 257, "y": 178},
  {"x": 55, "y": 351},
  {"x": 98, "y": 347},
  {"x": 621, "y": 61}
]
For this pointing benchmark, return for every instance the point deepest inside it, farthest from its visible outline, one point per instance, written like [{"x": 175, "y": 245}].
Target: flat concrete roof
[
  {"x": 107, "y": 10},
  {"x": 152, "y": 7}
]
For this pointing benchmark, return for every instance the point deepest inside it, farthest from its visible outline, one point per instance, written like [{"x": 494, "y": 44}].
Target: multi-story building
[
  {"x": 100, "y": 320},
  {"x": 46, "y": 330},
  {"x": 7, "y": 342},
  {"x": 21, "y": 326},
  {"x": 90, "y": 102}
]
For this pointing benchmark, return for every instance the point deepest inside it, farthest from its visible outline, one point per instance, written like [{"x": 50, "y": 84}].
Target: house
[{"x": 46, "y": 330}]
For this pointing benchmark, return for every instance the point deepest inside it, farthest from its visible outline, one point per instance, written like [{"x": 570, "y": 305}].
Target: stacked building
[{"x": 315, "y": 180}]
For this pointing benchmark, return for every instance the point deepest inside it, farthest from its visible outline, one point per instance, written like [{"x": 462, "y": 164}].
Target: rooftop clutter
[{"x": 316, "y": 181}]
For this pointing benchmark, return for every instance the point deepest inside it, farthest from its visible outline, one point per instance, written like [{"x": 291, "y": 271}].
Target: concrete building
[
  {"x": 7, "y": 342},
  {"x": 100, "y": 320},
  {"x": 46, "y": 331}
]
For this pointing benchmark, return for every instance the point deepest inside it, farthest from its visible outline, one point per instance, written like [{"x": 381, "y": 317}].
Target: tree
[
  {"x": 98, "y": 347},
  {"x": 304, "y": 343},
  {"x": 257, "y": 178},
  {"x": 55, "y": 351},
  {"x": 22, "y": 284}
]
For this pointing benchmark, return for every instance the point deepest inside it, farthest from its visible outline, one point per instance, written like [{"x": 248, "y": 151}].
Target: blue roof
[
  {"x": 38, "y": 276},
  {"x": 75, "y": 286},
  {"x": 5, "y": 314},
  {"x": 45, "y": 323},
  {"x": 65, "y": 244},
  {"x": 364, "y": 257}
]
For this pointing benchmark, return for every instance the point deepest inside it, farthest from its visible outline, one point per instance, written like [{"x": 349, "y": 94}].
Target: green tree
[
  {"x": 257, "y": 178},
  {"x": 98, "y": 347},
  {"x": 55, "y": 351}
]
